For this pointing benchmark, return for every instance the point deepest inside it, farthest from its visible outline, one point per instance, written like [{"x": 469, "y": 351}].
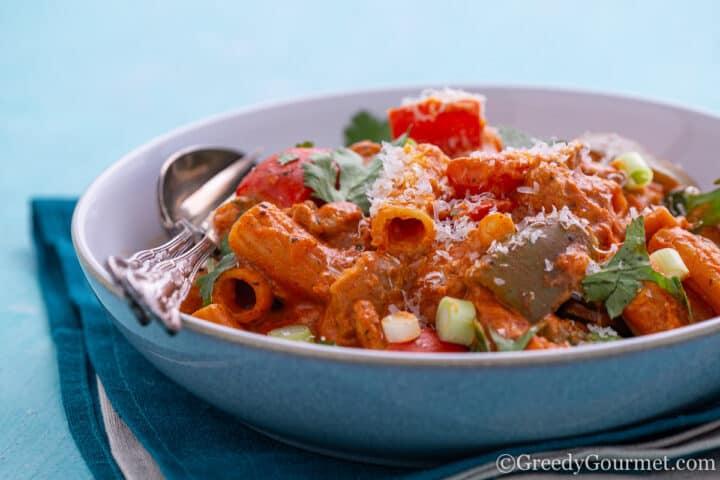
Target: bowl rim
[{"x": 93, "y": 268}]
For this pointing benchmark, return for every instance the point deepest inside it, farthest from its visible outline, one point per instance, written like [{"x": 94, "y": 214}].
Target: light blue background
[{"x": 81, "y": 83}]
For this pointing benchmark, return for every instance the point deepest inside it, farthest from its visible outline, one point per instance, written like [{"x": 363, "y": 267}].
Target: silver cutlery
[{"x": 192, "y": 184}]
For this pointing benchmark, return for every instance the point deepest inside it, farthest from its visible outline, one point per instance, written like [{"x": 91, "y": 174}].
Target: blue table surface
[{"x": 81, "y": 83}]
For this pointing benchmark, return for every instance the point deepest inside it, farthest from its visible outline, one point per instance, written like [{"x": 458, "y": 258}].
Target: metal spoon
[
  {"x": 192, "y": 184},
  {"x": 195, "y": 180}
]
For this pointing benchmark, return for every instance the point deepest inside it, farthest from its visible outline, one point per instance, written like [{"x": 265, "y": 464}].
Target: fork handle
[{"x": 161, "y": 290}]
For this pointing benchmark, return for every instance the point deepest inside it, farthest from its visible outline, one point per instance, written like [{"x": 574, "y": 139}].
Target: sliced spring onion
[
  {"x": 400, "y": 327},
  {"x": 668, "y": 262},
  {"x": 455, "y": 321},
  {"x": 297, "y": 333},
  {"x": 638, "y": 172}
]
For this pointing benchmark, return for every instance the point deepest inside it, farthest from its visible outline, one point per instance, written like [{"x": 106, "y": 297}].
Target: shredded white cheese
[
  {"x": 442, "y": 254},
  {"x": 602, "y": 332},
  {"x": 445, "y": 95},
  {"x": 398, "y": 166},
  {"x": 525, "y": 190},
  {"x": 527, "y": 231},
  {"x": 453, "y": 229}
]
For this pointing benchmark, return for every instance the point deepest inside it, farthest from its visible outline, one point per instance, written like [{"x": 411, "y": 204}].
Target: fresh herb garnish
[
  {"x": 481, "y": 344},
  {"x": 507, "y": 345},
  {"x": 595, "y": 337},
  {"x": 620, "y": 280},
  {"x": 515, "y": 138},
  {"x": 365, "y": 126},
  {"x": 321, "y": 175},
  {"x": 706, "y": 205},
  {"x": 225, "y": 246},
  {"x": 214, "y": 270},
  {"x": 286, "y": 158},
  {"x": 403, "y": 139},
  {"x": 305, "y": 144}
]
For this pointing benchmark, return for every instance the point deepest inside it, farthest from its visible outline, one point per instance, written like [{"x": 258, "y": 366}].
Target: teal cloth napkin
[{"x": 187, "y": 437}]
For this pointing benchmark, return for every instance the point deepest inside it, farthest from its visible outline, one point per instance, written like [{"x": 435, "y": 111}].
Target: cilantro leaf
[
  {"x": 705, "y": 207},
  {"x": 507, "y": 345},
  {"x": 620, "y": 280},
  {"x": 403, "y": 139},
  {"x": 207, "y": 282},
  {"x": 305, "y": 144},
  {"x": 365, "y": 126},
  {"x": 320, "y": 176},
  {"x": 286, "y": 158},
  {"x": 354, "y": 179},
  {"x": 225, "y": 246}
]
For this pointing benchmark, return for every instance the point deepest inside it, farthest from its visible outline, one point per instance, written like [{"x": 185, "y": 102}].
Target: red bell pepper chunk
[
  {"x": 428, "y": 341},
  {"x": 454, "y": 126}
]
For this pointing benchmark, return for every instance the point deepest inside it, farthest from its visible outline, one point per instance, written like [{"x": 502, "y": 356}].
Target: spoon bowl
[{"x": 184, "y": 173}]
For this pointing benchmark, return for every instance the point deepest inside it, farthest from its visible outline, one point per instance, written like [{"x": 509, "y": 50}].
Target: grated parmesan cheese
[
  {"x": 398, "y": 166},
  {"x": 602, "y": 332},
  {"x": 442, "y": 254},
  {"x": 526, "y": 232},
  {"x": 445, "y": 95},
  {"x": 453, "y": 229},
  {"x": 434, "y": 277},
  {"x": 412, "y": 303}
]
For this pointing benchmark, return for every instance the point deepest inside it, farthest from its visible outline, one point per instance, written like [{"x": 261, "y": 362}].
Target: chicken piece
[
  {"x": 562, "y": 331},
  {"x": 501, "y": 173},
  {"x": 336, "y": 223},
  {"x": 368, "y": 329},
  {"x": 599, "y": 201},
  {"x": 604, "y": 147},
  {"x": 227, "y": 214},
  {"x": 375, "y": 278},
  {"x": 366, "y": 149},
  {"x": 492, "y": 314}
]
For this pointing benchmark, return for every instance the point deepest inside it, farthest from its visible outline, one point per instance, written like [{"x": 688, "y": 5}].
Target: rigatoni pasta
[{"x": 455, "y": 236}]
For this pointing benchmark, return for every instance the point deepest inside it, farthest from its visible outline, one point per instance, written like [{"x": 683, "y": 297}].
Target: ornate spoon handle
[
  {"x": 160, "y": 290},
  {"x": 146, "y": 260}
]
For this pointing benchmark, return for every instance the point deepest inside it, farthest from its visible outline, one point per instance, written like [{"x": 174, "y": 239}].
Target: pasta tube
[
  {"x": 268, "y": 239},
  {"x": 244, "y": 293},
  {"x": 700, "y": 255},
  {"x": 402, "y": 230},
  {"x": 403, "y": 199},
  {"x": 654, "y": 310}
]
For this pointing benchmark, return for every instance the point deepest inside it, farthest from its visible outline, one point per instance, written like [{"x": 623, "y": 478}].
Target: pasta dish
[{"x": 433, "y": 231}]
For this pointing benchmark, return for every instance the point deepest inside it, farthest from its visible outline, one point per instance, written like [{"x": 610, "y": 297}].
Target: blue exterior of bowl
[
  {"x": 394, "y": 407},
  {"x": 415, "y": 414}
]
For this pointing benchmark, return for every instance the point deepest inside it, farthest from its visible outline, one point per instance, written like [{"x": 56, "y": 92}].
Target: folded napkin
[{"x": 188, "y": 438}]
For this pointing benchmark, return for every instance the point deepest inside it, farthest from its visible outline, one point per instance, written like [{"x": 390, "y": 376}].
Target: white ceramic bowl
[{"x": 395, "y": 407}]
